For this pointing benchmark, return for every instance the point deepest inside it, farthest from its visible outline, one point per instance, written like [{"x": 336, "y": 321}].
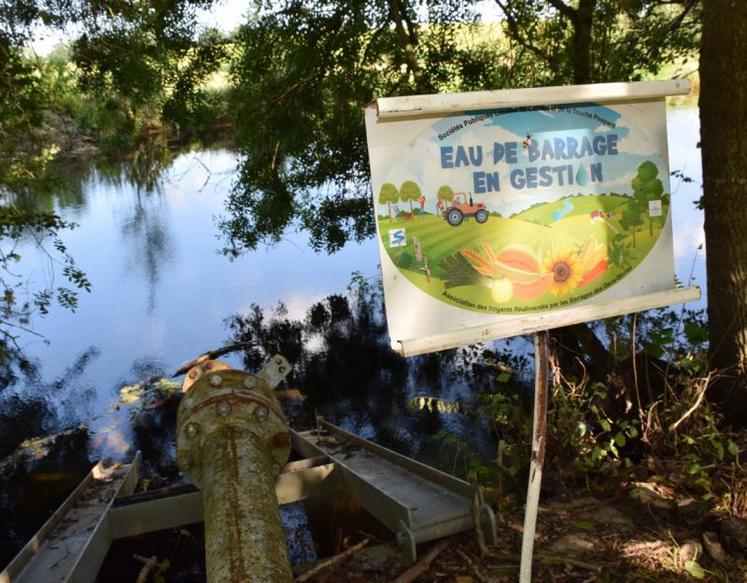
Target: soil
[{"x": 625, "y": 538}]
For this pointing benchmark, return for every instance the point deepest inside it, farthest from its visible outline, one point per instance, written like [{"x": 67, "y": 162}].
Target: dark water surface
[{"x": 162, "y": 294}]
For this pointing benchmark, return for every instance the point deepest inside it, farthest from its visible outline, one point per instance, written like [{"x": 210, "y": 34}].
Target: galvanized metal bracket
[
  {"x": 406, "y": 542},
  {"x": 488, "y": 525},
  {"x": 275, "y": 371}
]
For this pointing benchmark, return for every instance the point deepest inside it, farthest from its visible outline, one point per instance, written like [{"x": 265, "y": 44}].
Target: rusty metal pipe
[
  {"x": 244, "y": 539},
  {"x": 232, "y": 441}
]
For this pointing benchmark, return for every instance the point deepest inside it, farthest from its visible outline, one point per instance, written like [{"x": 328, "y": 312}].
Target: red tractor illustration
[{"x": 461, "y": 207}]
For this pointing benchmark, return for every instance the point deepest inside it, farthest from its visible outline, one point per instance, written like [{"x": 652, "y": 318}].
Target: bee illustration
[{"x": 527, "y": 141}]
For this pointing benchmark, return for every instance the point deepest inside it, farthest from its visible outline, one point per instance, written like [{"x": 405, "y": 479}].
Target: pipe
[{"x": 232, "y": 441}]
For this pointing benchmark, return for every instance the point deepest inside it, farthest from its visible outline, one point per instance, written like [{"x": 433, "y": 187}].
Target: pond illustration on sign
[{"x": 524, "y": 210}]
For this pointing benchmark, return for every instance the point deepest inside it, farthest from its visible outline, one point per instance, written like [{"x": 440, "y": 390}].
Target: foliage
[
  {"x": 17, "y": 304},
  {"x": 134, "y": 66},
  {"x": 410, "y": 191},
  {"x": 631, "y": 217},
  {"x": 23, "y": 158},
  {"x": 596, "y": 428},
  {"x": 599, "y": 40},
  {"x": 142, "y": 77}
]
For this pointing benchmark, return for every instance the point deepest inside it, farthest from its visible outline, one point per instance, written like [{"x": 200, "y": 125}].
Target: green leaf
[
  {"x": 584, "y": 525},
  {"x": 605, "y": 425},
  {"x": 654, "y": 350},
  {"x": 719, "y": 449},
  {"x": 695, "y": 333},
  {"x": 504, "y": 377},
  {"x": 620, "y": 439},
  {"x": 694, "y": 570},
  {"x": 732, "y": 448}
]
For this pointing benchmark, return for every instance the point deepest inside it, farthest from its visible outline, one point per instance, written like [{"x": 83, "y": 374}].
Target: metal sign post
[{"x": 539, "y": 442}]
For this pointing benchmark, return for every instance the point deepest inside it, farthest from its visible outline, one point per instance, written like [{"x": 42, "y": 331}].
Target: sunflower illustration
[{"x": 565, "y": 267}]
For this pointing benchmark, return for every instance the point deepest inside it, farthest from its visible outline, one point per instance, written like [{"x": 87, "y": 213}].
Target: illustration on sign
[{"x": 523, "y": 210}]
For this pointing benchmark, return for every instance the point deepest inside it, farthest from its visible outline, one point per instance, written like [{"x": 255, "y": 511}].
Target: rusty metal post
[
  {"x": 232, "y": 442},
  {"x": 539, "y": 440}
]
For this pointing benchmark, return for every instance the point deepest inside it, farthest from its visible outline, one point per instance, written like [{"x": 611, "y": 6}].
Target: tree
[
  {"x": 631, "y": 217},
  {"x": 646, "y": 188},
  {"x": 587, "y": 41},
  {"x": 723, "y": 115},
  {"x": 445, "y": 194},
  {"x": 410, "y": 191},
  {"x": 388, "y": 195}
]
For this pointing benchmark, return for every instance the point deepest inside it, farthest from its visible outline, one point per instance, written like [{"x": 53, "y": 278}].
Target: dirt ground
[{"x": 637, "y": 535}]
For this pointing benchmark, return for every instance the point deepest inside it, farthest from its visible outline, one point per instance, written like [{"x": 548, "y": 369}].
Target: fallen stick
[
  {"x": 547, "y": 559},
  {"x": 557, "y": 560},
  {"x": 424, "y": 563},
  {"x": 211, "y": 355},
  {"x": 332, "y": 562},
  {"x": 148, "y": 564},
  {"x": 478, "y": 574}
]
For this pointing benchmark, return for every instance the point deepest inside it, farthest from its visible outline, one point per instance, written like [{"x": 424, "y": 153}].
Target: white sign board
[{"x": 500, "y": 213}]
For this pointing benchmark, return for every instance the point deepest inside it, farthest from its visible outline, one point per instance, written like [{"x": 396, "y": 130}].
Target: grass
[{"x": 440, "y": 241}]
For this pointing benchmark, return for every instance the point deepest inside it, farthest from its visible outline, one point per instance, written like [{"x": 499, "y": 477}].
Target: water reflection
[
  {"x": 344, "y": 366},
  {"x": 150, "y": 243}
]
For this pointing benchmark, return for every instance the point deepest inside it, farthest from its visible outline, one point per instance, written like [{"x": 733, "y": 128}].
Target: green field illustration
[{"x": 544, "y": 257}]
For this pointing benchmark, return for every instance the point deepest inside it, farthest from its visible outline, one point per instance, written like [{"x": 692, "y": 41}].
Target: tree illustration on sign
[
  {"x": 631, "y": 217},
  {"x": 388, "y": 195},
  {"x": 647, "y": 188},
  {"x": 409, "y": 191},
  {"x": 445, "y": 195}
]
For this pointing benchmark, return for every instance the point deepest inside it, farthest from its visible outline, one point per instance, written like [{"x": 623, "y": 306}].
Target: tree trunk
[
  {"x": 580, "y": 340},
  {"x": 723, "y": 115},
  {"x": 582, "y": 29},
  {"x": 408, "y": 38}
]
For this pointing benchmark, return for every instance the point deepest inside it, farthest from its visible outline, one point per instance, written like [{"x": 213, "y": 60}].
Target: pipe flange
[{"x": 228, "y": 398}]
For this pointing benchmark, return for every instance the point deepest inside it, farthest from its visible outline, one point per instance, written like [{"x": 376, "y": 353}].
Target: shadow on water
[
  {"x": 348, "y": 373},
  {"x": 149, "y": 243}
]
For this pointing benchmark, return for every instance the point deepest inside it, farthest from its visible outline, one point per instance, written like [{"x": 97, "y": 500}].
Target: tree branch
[
  {"x": 513, "y": 27},
  {"x": 564, "y": 9}
]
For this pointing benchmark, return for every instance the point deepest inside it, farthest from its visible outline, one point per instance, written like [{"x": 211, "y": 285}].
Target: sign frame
[{"x": 483, "y": 327}]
